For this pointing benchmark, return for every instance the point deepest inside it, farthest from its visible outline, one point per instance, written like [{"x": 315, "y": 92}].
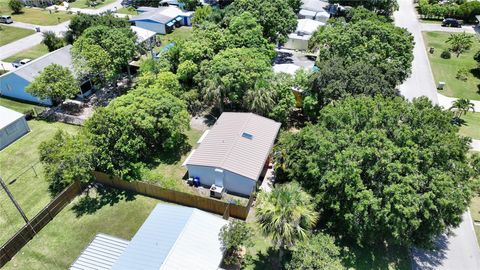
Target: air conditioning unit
[{"x": 216, "y": 192}]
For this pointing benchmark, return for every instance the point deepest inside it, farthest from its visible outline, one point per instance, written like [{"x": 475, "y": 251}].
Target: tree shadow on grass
[
  {"x": 374, "y": 257},
  {"x": 267, "y": 260},
  {"x": 102, "y": 196}
]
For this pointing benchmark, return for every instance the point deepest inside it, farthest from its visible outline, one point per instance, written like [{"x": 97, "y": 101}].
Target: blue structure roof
[{"x": 152, "y": 243}]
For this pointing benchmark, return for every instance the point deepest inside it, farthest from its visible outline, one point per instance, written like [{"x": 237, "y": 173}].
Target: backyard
[
  {"x": 23, "y": 175},
  {"x": 10, "y": 34},
  {"x": 85, "y": 4},
  {"x": 179, "y": 34},
  {"x": 127, "y": 10},
  {"x": 20, "y": 106},
  {"x": 30, "y": 53},
  {"x": 446, "y": 69},
  {"x": 36, "y": 16}
]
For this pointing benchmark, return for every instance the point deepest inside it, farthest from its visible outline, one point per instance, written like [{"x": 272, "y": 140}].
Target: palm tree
[
  {"x": 215, "y": 92},
  {"x": 460, "y": 42},
  {"x": 462, "y": 106},
  {"x": 259, "y": 99},
  {"x": 286, "y": 214}
]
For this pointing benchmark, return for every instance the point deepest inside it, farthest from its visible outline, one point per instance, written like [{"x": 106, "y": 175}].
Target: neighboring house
[
  {"x": 315, "y": 10},
  {"x": 172, "y": 237},
  {"x": 13, "y": 84},
  {"x": 234, "y": 153},
  {"x": 298, "y": 40},
  {"x": 162, "y": 20},
  {"x": 145, "y": 38},
  {"x": 12, "y": 126}
]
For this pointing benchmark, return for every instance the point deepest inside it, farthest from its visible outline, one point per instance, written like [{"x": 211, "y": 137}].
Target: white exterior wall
[
  {"x": 296, "y": 44},
  {"x": 232, "y": 182},
  {"x": 155, "y": 27},
  {"x": 13, "y": 132}
]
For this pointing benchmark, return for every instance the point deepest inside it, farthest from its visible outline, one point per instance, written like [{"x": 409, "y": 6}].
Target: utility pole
[{"x": 13, "y": 200}]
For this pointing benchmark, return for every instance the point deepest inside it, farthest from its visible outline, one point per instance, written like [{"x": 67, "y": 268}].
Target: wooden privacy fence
[
  {"x": 27, "y": 232},
  {"x": 154, "y": 191}
]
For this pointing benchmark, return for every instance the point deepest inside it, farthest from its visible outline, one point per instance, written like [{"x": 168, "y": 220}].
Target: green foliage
[
  {"x": 460, "y": 42},
  {"x": 186, "y": 71},
  {"x": 16, "y": 6},
  {"x": 368, "y": 41},
  {"x": 235, "y": 236},
  {"x": 286, "y": 214},
  {"x": 462, "y": 106},
  {"x": 462, "y": 74},
  {"x": 465, "y": 11},
  {"x": 66, "y": 159},
  {"x": 202, "y": 14},
  {"x": 191, "y": 5},
  {"x": 476, "y": 57},
  {"x": 382, "y": 169},
  {"x": 101, "y": 52},
  {"x": 52, "y": 41},
  {"x": 154, "y": 66},
  {"x": 446, "y": 55},
  {"x": 54, "y": 82},
  {"x": 81, "y": 22},
  {"x": 137, "y": 128},
  {"x": 382, "y": 7},
  {"x": 276, "y": 17},
  {"x": 317, "y": 252},
  {"x": 230, "y": 74}
]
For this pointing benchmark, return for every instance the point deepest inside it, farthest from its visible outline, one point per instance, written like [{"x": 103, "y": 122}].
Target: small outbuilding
[
  {"x": 12, "y": 126},
  {"x": 162, "y": 20},
  {"x": 298, "y": 40},
  {"x": 172, "y": 237},
  {"x": 234, "y": 153}
]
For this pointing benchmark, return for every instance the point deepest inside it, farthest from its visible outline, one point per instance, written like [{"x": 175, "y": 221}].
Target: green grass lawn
[
  {"x": 9, "y": 34},
  {"x": 21, "y": 170},
  {"x": 475, "y": 212},
  {"x": 128, "y": 11},
  {"x": 446, "y": 69},
  {"x": 20, "y": 106},
  {"x": 64, "y": 238},
  {"x": 35, "y": 15},
  {"x": 31, "y": 53},
  {"x": 472, "y": 126},
  {"x": 178, "y": 34},
  {"x": 170, "y": 175},
  {"x": 83, "y": 4}
]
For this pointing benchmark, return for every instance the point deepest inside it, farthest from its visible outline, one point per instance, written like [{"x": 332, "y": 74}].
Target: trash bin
[
  {"x": 37, "y": 29},
  {"x": 432, "y": 50},
  {"x": 440, "y": 85}
]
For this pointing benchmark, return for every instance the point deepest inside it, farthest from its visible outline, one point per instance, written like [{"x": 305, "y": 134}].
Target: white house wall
[
  {"x": 233, "y": 183},
  {"x": 13, "y": 132}
]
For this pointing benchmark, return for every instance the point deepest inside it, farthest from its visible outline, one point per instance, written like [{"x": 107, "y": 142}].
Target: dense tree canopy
[
  {"x": 81, "y": 22},
  {"x": 235, "y": 236},
  {"x": 135, "y": 129},
  {"x": 385, "y": 46},
  {"x": 382, "y": 169},
  {"x": 230, "y": 74},
  {"x": 383, "y": 7},
  {"x": 51, "y": 40},
  {"x": 16, "y": 6},
  {"x": 276, "y": 17},
  {"x": 55, "y": 82}
]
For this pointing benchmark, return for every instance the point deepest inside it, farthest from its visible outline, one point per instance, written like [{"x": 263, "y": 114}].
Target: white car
[
  {"x": 18, "y": 63},
  {"x": 6, "y": 19}
]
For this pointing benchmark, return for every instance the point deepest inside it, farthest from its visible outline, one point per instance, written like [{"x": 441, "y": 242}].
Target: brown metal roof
[{"x": 238, "y": 142}]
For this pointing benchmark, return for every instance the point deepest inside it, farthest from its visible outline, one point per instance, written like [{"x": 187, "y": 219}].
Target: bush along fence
[
  {"x": 210, "y": 205},
  {"x": 27, "y": 232},
  {"x": 466, "y": 11}
]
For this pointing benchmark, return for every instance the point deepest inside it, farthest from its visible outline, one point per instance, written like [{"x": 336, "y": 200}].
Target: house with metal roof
[
  {"x": 172, "y": 237},
  {"x": 234, "y": 153},
  {"x": 298, "y": 40},
  {"x": 162, "y": 20},
  {"x": 12, "y": 126}
]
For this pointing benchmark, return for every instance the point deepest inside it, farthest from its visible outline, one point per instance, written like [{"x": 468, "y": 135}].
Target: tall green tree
[
  {"x": 317, "y": 252},
  {"x": 462, "y": 106},
  {"x": 460, "y": 42},
  {"x": 81, "y": 22},
  {"x": 286, "y": 214},
  {"x": 382, "y": 169},
  {"x": 235, "y": 236},
  {"x": 276, "y": 17},
  {"x": 16, "y": 6},
  {"x": 382, "y": 7},
  {"x": 230, "y": 74},
  {"x": 191, "y": 5},
  {"x": 55, "y": 82},
  {"x": 52, "y": 41}
]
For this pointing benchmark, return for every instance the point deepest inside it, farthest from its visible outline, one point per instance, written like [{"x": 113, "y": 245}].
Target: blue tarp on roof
[{"x": 155, "y": 238}]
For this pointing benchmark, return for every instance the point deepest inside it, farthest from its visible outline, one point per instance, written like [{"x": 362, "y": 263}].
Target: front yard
[
  {"x": 85, "y": 4},
  {"x": 471, "y": 128},
  {"x": 30, "y": 53},
  {"x": 23, "y": 174},
  {"x": 446, "y": 69},
  {"x": 36, "y": 16},
  {"x": 10, "y": 34}
]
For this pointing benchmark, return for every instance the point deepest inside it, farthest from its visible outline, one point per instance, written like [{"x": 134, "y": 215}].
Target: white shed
[
  {"x": 234, "y": 153},
  {"x": 12, "y": 126},
  {"x": 299, "y": 39}
]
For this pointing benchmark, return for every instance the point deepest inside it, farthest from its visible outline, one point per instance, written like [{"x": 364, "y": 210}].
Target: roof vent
[{"x": 247, "y": 135}]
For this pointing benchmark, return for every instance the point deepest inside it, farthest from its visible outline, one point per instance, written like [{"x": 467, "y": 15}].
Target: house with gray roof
[
  {"x": 234, "y": 153},
  {"x": 12, "y": 126},
  {"x": 172, "y": 237},
  {"x": 161, "y": 20}
]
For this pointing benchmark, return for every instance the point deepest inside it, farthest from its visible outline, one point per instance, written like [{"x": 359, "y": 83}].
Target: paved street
[{"x": 437, "y": 27}]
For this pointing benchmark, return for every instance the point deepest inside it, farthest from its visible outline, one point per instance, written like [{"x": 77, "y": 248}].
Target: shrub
[
  {"x": 16, "y": 5},
  {"x": 446, "y": 55},
  {"x": 462, "y": 74}
]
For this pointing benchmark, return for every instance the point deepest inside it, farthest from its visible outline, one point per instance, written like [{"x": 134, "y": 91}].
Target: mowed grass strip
[
  {"x": 84, "y": 4},
  {"x": 36, "y": 16},
  {"x": 20, "y": 106},
  {"x": 9, "y": 34},
  {"x": 446, "y": 69},
  {"x": 65, "y": 237},
  {"x": 30, "y": 53},
  {"x": 471, "y": 128},
  {"x": 21, "y": 170}
]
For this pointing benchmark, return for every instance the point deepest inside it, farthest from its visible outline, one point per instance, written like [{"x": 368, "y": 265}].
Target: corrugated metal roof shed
[
  {"x": 8, "y": 116},
  {"x": 100, "y": 254},
  {"x": 227, "y": 147},
  {"x": 175, "y": 237}
]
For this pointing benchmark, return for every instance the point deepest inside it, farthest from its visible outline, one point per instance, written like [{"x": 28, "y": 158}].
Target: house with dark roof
[
  {"x": 234, "y": 153},
  {"x": 162, "y": 20}
]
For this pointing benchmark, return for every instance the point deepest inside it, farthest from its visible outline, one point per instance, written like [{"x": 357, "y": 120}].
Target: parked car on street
[
  {"x": 6, "y": 19},
  {"x": 450, "y": 22},
  {"x": 20, "y": 62}
]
